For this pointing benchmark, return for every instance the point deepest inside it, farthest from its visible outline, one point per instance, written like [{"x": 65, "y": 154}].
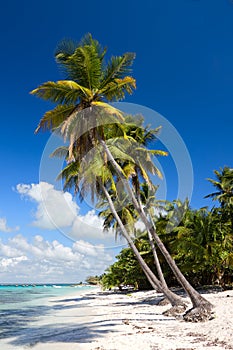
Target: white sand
[{"x": 99, "y": 321}]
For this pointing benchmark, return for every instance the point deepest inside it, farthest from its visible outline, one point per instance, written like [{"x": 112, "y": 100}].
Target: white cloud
[
  {"x": 89, "y": 226},
  {"x": 55, "y": 209},
  {"x": 58, "y": 210},
  {"x": 11, "y": 262},
  {"x": 140, "y": 225},
  {"x": 43, "y": 261},
  {"x": 9, "y": 251},
  {"x": 87, "y": 248},
  {"x": 5, "y": 228}
]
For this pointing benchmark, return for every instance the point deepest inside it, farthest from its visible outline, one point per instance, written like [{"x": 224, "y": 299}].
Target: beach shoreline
[{"x": 98, "y": 320}]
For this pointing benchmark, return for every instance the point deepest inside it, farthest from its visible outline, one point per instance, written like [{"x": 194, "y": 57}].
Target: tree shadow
[
  {"x": 72, "y": 333},
  {"x": 22, "y": 328}
]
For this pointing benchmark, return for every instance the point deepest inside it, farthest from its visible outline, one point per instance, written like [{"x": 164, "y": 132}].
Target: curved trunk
[
  {"x": 196, "y": 298},
  {"x": 155, "y": 255},
  {"x": 156, "y": 261},
  {"x": 156, "y": 284}
]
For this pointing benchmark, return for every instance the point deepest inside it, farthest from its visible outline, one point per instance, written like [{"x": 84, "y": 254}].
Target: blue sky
[{"x": 184, "y": 71}]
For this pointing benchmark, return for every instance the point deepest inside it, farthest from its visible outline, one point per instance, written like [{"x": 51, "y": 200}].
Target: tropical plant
[
  {"x": 86, "y": 120},
  {"x": 224, "y": 193},
  {"x": 201, "y": 244},
  {"x": 94, "y": 280},
  {"x": 224, "y": 186},
  {"x": 201, "y": 307},
  {"x": 80, "y": 115},
  {"x": 125, "y": 271}
]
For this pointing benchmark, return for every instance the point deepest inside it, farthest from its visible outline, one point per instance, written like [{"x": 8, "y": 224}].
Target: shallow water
[{"x": 22, "y": 306}]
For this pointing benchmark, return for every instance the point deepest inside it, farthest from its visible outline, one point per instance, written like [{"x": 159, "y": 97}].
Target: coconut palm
[
  {"x": 82, "y": 96},
  {"x": 204, "y": 244},
  {"x": 224, "y": 186},
  {"x": 129, "y": 219},
  {"x": 224, "y": 193},
  {"x": 201, "y": 307},
  {"x": 136, "y": 172},
  {"x": 82, "y": 111},
  {"x": 94, "y": 176}
]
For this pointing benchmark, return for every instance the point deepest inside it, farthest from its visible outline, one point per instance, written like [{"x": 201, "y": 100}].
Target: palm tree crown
[
  {"x": 90, "y": 81},
  {"x": 224, "y": 186}
]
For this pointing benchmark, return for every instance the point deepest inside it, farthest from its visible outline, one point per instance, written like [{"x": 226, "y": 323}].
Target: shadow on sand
[{"x": 22, "y": 326}]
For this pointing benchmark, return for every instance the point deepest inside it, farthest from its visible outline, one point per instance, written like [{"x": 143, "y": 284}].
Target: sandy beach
[{"x": 100, "y": 320}]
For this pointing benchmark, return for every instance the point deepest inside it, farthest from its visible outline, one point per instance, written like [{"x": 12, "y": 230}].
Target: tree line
[{"x": 201, "y": 244}]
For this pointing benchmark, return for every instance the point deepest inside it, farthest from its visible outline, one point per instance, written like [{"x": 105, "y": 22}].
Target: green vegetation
[
  {"x": 93, "y": 280},
  {"x": 101, "y": 139},
  {"x": 110, "y": 158},
  {"x": 201, "y": 244}
]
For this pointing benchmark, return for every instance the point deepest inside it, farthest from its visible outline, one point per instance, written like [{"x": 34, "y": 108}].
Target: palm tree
[
  {"x": 201, "y": 307},
  {"x": 82, "y": 111},
  {"x": 224, "y": 193},
  {"x": 80, "y": 98},
  {"x": 136, "y": 172},
  {"x": 129, "y": 218},
  {"x": 224, "y": 186},
  {"x": 94, "y": 176},
  {"x": 203, "y": 245},
  {"x": 156, "y": 284}
]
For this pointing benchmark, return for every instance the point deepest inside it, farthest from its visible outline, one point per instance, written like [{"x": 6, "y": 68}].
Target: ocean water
[{"x": 22, "y": 305}]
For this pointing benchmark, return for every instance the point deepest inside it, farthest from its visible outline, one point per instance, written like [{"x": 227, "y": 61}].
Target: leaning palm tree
[
  {"x": 129, "y": 219},
  {"x": 80, "y": 98},
  {"x": 94, "y": 176},
  {"x": 137, "y": 172},
  {"x": 202, "y": 308},
  {"x": 82, "y": 111},
  {"x": 143, "y": 165}
]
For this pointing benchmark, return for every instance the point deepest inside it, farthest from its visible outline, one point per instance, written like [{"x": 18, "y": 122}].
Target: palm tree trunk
[
  {"x": 198, "y": 301},
  {"x": 156, "y": 284},
  {"x": 156, "y": 260},
  {"x": 155, "y": 255}
]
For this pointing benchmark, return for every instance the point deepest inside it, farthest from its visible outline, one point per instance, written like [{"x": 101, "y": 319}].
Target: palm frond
[
  {"x": 213, "y": 195},
  {"x": 116, "y": 89},
  {"x": 119, "y": 154},
  {"x": 60, "y": 152},
  {"x": 118, "y": 68},
  {"x": 63, "y": 91},
  {"x": 153, "y": 152},
  {"x": 84, "y": 66},
  {"x": 108, "y": 111},
  {"x": 89, "y": 41},
  {"x": 54, "y": 118},
  {"x": 65, "y": 48}
]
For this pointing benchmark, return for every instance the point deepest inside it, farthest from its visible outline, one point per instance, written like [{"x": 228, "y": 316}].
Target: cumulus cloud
[
  {"x": 57, "y": 210},
  {"x": 4, "y": 227},
  {"x": 88, "y": 225},
  {"x": 41, "y": 261}
]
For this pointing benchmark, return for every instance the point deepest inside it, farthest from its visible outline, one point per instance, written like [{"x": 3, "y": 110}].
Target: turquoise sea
[{"x": 21, "y": 305}]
